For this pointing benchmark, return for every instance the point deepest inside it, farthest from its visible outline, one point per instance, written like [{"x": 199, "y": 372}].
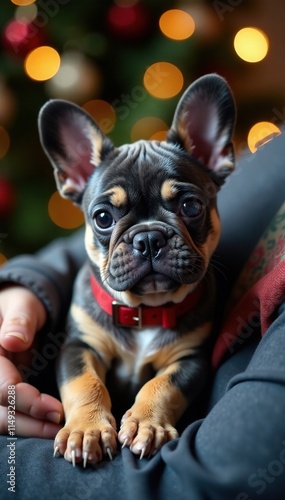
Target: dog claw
[
  {"x": 124, "y": 443},
  {"x": 108, "y": 450},
  {"x": 142, "y": 453},
  {"x": 85, "y": 457},
  {"x": 73, "y": 458},
  {"x": 56, "y": 452}
]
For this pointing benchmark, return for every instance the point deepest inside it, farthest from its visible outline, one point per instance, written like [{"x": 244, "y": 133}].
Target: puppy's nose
[{"x": 148, "y": 243}]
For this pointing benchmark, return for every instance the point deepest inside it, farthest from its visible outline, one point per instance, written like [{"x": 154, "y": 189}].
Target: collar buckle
[{"x": 131, "y": 321}]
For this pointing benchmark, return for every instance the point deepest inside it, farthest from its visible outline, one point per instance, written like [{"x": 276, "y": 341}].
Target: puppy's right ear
[
  {"x": 74, "y": 144},
  {"x": 203, "y": 124}
]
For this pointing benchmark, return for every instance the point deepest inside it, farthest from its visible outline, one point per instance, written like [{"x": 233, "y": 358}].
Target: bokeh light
[
  {"x": 42, "y": 63},
  {"x": 22, "y": 3},
  {"x": 4, "y": 142},
  {"x": 64, "y": 213},
  {"x": 261, "y": 133},
  {"x": 159, "y": 136},
  {"x": 16, "y": 32},
  {"x": 77, "y": 78},
  {"x": 147, "y": 127},
  {"x": 128, "y": 20},
  {"x": 177, "y": 24},
  {"x": 8, "y": 104},
  {"x": 26, "y": 13},
  {"x": 102, "y": 112},
  {"x": 163, "y": 80},
  {"x": 251, "y": 44}
]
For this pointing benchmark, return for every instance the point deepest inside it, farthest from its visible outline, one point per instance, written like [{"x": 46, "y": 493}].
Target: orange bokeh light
[
  {"x": 146, "y": 127},
  {"x": 177, "y": 24},
  {"x": 103, "y": 113},
  {"x": 42, "y": 63},
  {"x": 64, "y": 213},
  {"x": 163, "y": 80},
  {"x": 23, "y": 3}
]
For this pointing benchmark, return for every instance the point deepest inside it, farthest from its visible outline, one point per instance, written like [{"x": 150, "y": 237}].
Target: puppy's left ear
[
  {"x": 204, "y": 123},
  {"x": 74, "y": 144}
]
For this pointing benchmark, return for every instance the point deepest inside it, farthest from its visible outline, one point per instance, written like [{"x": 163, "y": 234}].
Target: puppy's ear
[
  {"x": 73, "y": 143},
  {"x": 204, "y": 123}
]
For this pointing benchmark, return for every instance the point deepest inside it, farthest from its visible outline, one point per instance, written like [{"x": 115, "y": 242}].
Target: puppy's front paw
[
  {"x": 145, "y": 432},
  {"x": 86, "y": 440}
]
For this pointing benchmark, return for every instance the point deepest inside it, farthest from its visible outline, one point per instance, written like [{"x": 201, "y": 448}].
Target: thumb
[{"x": 21, "y": 315}]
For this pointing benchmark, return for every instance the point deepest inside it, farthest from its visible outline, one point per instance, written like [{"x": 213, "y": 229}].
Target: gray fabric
[{"x": 248, "y": 201}]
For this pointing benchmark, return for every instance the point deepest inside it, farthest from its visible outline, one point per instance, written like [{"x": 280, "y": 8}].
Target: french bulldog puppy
[{"x": 143, "y": 303}]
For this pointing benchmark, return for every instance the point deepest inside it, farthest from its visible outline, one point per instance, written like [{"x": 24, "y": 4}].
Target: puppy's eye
[
  {"x": 104, "y": 220},
  {"x": 192, "y": 207}
]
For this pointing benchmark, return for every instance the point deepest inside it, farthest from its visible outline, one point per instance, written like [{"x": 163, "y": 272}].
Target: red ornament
[
  {"x": 20, "y": 37},
  {"x": 130, "y": 22},
  {"x": 7, "y": 197}
]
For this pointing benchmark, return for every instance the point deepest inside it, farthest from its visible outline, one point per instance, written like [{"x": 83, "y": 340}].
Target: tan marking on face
[
  {"x": 93, "y": 252},
  {"x": 169, "y": 190},
  {"x": 213, "y": 239},
  {"x": 118, "y": 196},
  {"x": 100, "y": 261}
]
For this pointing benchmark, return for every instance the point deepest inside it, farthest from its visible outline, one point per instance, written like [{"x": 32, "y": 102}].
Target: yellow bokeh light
[
  {"x": 146, "y": 127},
  {"x": 251, "y": 44},
  {"x": 163, "y": 80},
  {"x": 3, "y": 259},
  {"x": 261, "y": 133},
  {"x": 4, "y": 142},
  {"x": 64, "y": 213},
  {"x": 103, "y": 113},
  {"x": 177, "y": 24},
  {"x": 42, "y": 63},
  {"x": 22, "y": 3}
]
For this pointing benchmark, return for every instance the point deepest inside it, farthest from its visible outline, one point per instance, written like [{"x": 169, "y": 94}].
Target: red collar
[{"x": 141, "y": 316}]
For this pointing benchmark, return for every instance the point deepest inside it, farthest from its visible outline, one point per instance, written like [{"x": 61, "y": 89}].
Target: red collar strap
[{"x": 141, "y": 316}]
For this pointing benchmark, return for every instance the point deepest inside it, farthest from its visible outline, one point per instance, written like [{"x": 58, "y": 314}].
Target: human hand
[{"x": 21, "y": 315}]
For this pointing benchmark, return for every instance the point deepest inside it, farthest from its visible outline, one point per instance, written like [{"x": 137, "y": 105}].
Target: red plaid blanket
[{"x": 258, "y": 292}]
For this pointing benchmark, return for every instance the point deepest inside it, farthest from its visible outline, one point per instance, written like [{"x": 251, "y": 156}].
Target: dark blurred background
[{"x": 127, "y": 62}]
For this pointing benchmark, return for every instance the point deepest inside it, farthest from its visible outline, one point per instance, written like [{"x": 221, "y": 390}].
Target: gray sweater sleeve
[{"x": 49, "y": 273}]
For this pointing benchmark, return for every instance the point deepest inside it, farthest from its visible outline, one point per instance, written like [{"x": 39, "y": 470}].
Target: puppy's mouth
[{"x": 154, "y": 283}]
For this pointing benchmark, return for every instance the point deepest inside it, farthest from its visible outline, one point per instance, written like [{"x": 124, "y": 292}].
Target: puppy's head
[{"x": 150, "y": 207}]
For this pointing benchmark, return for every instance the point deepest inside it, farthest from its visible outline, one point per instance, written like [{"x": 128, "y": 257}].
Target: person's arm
[
  {"x": 35, "y": 293},
  {"x": 49, "y": 274}
]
